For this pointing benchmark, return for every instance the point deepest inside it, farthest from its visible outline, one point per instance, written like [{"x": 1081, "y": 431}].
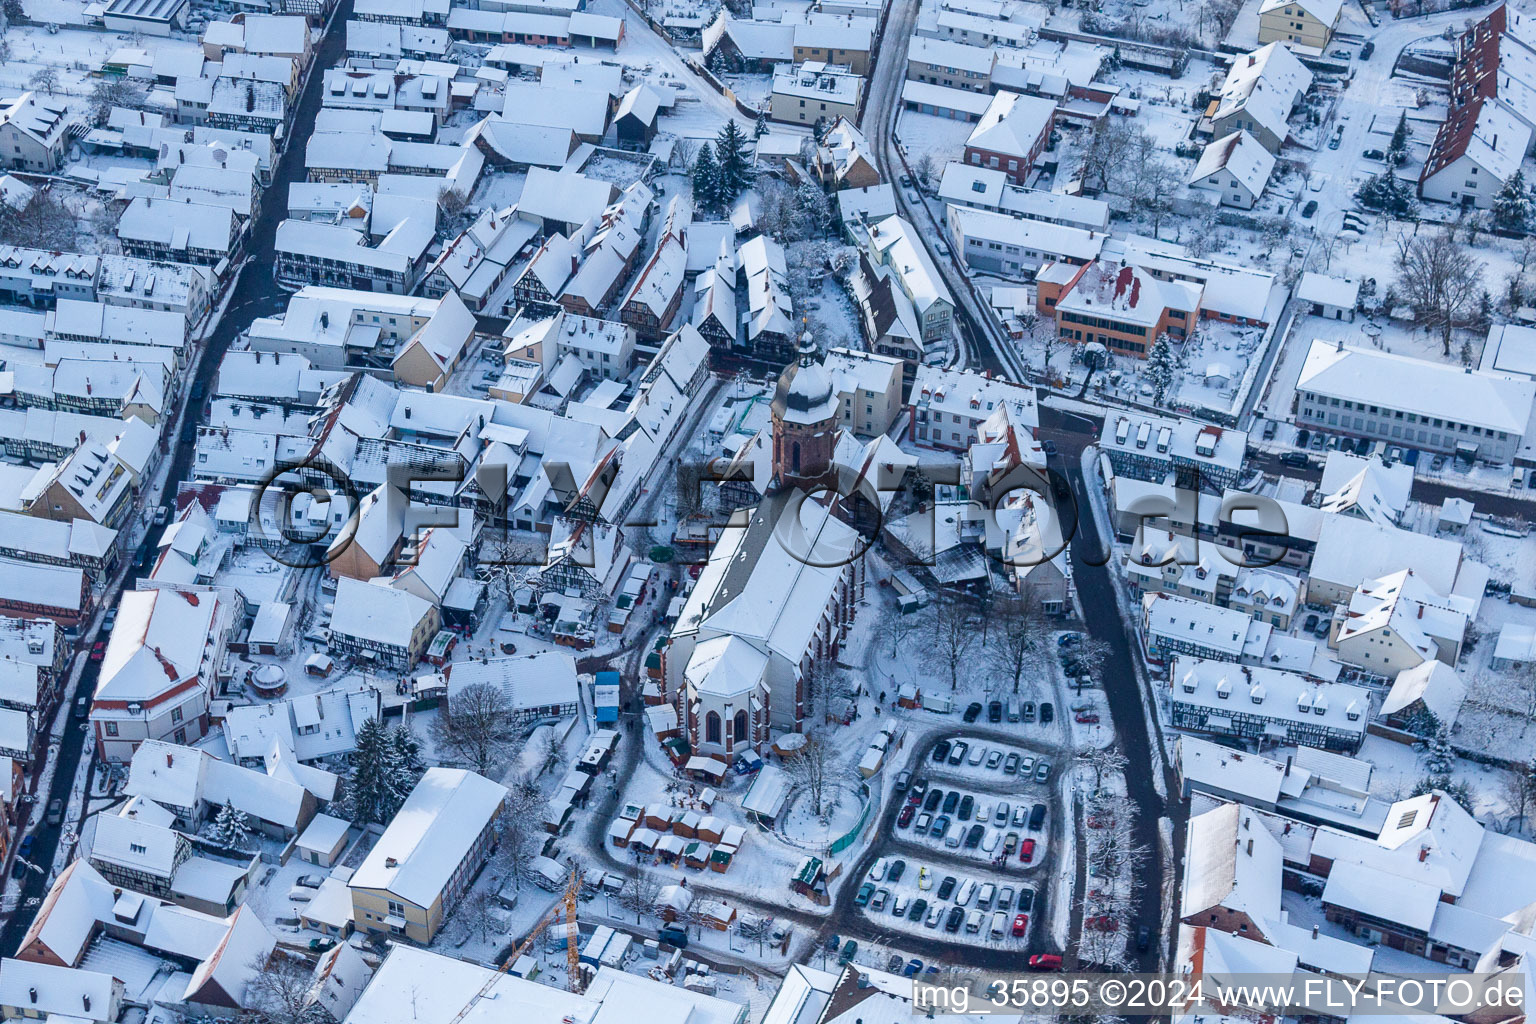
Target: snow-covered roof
[
  {"x": 431, "y": 835},
  {"x": 1013, "y": 124},
  {"x": 378, "y": 613},
  {"x": 60, "y": 993},
  {"x": 1431, "y": 389},
  {"x": 1433, "y": 682},
  {"x": 1351, "y": 551},
  {"x": 1051, "y": 241},
  {"x": 1264, "y": 85},
  {"x": 546, "y": 679},
  {"x": 1231, "y": 860},
  {"x": 1243, "y": 156},
  {"x": 1325, "y": 11},
  {"x": 163, "y": 638}
]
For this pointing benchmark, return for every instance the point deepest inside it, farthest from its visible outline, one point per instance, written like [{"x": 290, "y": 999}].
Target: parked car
[
  {"x": 55, "y": 816},
  {"x": 300, "y": 894},
  {"x": 1047, "y": 712},
  {"x": 958, "y": 751},
  {"x": 913, "y": 968},
  {"x": 1143, "y": 938},
  {"x": 82, "y": 707},
  {"x": 1010, "y": 843},
  {"x": 1027, "y": 767},
  {"x": 1087, "y": 718},
  {"x": 1029, "y": 711},
  {"x": 850, "y": 950},
  {"x": 947, "y": 887},
  {"x": 994, "y": 711},
  {"x": 1102, "y": 923},
  {"x": 1020, "y": 924},
  {"x": 1043, "y": 771},
  {"x": 1037, "y": 817},
  {"x": 903, "y": 780},
  {"x": 921, "y": 824},
  {"x": 1000, "y": 815},
  {"x": 24, "y": 848},
  {"x": 310, "y": 881},
  {"x": 972, "y": 712},
  {"x": 940, "y": 751},
  {"x": 98, "y": 650},
  {"x": 967, "y": 805},
  {"x": 973, "y": 837},
  {"x": 932, "y": 799},
  {"x": 935, "y": 915},
  {"x": 881, "y": 896},
  {"x": 898, "y": 868},
  {"x": 1020, "y": 815},
  {"x": 952, "y": 922},
  {"x": 321, "y": 945},
  {"x": 974, "y": 757},
  {"x": 940, "y": 826},
  {"x": 1306, "y": 211},
  {"x": 1367, "y": 49},
  {"x": 900, "y": 905},
  {"x": 866, "y": 891},
  {"x": 1011, "y": 763},
  {"x": 1045, "y": 962},
  {"x": 905, "y": 817},
  {"x": 1005, "y": 897},
  {"x": 951, "y": 800},
  {"x": 1295, "y": 460},
  {"x": 994, "y": 760},
  {"x": 924, "y": 879},
  {"x": 1374, "y": 154},
  {"x": 1333, "y": 143}
]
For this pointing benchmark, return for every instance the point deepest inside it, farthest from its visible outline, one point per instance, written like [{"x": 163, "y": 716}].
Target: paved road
[
  {"x": 255, "y": 294},
  {"x": 879, "y": 126},
  {"x": 1096, "y": 592}
]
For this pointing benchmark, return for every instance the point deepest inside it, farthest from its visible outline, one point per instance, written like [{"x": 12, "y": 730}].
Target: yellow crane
[{"x": 567, "y": 904}]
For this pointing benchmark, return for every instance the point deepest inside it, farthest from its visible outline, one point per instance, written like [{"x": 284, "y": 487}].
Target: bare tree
[
  {"x": 1091, "y": 654},
  {"x": 475, "y": 724},
  {"x": 1102, "y": 761},
  {"x": 453, "y": 208},
  {"x": 114, "y": 92},
  {"x": 952, "y": 634},
  {"x": 640, "y": 893},
  {"x": 811, "y": 766},
  {"x": 45, "y": 79},
  {"x": 476, "y": 914},
  {"x": 683, "y": 153},
  {"x": 1441, "y": 280},
  {"x": 551, "y": 752},
  {"x": 1110, "y": 141},
  {"x": 899, "y": 628},
  {"x": 44, "y": 223},
  {"x": 923, "y": 168},
  {"x": 511, "y": 564},
  {"x": 278, "y": 990},
  {"x": 1520, "y": 793},
  {"x": 519, "y": 829},
  {"x": 1020, "y": 640}
]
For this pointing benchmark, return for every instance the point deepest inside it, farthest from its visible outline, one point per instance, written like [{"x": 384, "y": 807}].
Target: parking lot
[{"x": 966, "y": 858}]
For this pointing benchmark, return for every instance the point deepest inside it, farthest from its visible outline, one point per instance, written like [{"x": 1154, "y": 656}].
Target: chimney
[
  {"x": 1314, "y": 931},
  {"x": 1250, "y": 848},
  {"x": 32, "y": 992},
  {"x": 1288, "y": 766},
  {"x": 391, "y": 862},
  {"x": 1424, "y": 853},
  {"x": 87, "y": 1001},
  {"x": 169, "y": 760}
]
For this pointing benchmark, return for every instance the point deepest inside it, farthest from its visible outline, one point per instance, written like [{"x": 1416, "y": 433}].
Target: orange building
[{"x": 1120, "y": 306}]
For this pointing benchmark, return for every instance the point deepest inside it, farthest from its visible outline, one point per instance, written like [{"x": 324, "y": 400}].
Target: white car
[
  {"x": 977, "y": 753},
  {"x": 877, "y": 870}
]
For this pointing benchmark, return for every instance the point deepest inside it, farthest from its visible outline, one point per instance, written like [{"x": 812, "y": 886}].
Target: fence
[{"x": 850, "y": 837}]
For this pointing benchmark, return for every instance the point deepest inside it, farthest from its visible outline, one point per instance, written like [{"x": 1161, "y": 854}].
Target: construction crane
[{"x": 567, "y": 904}]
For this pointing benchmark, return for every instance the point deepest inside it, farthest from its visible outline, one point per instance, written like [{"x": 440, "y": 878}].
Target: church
[{"x": 772, "y": 607}]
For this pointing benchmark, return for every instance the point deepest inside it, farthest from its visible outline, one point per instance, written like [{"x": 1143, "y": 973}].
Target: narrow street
[
  {"x": 253, "y": 294},
  {"x": 1095, "y": 585}
]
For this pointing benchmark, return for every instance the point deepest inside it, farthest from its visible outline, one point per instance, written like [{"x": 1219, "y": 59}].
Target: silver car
[{"x": 1043, "y": 771}]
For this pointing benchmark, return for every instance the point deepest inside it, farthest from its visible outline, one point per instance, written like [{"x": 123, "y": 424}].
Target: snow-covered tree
[
  {"x": 761, "y": 127},
  {"x": 1388, "y": 193},
  {"x": 706, "y": 178},
  {"x": 735, "y": 167},
  {"x": 230, "y": 828},
  {"x": 405, "y": 764},
  {"x": 370, "y": 795},
  {"x": 1512, "y": 206},
  {"x": 1397, "y": 149},
  {"x": 1161, "y": 370},
  {"x": 815, "y": 211},
  {"x": 1439, "y": 758}
]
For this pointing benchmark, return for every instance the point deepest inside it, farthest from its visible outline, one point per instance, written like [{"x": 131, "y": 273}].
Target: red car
[
  {"x": 915, "y": 797},
  {"x": 1102, "y": 923},
  {"x": 1020, "y": 924},
  {"x": 1045, "y": 962},
  {"x": 1099, "y": 821},
  {"x": 98, "y": 650},
  {"x": 1026, "y": 851},
  {"x": 1088, "y": 717},
  {"x": 905, "y": 817}
]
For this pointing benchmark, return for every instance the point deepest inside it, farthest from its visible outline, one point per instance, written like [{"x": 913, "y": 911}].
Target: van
[
  {"x": 985, "y": 895},
  {"x": 999, "y": 924},
  {"x": 674, "y": 937},
  {"x": 966, "y": 891},
  {"x": 1013, "y": 710},
  {"x": 973, "y": 922},
  {"x": 1519, "y": 478}
]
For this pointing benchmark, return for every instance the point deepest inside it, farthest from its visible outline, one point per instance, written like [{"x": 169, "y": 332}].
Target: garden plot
[
  {"x": 924, "y": 912},
  {"x": 956, "y": 828}
]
